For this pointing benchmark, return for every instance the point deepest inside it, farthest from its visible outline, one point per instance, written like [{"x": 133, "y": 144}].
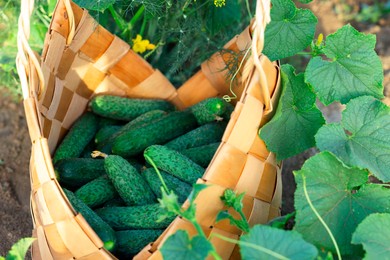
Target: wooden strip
[
  {"x": 260, "y": 212},
  {"x": 247, "y": 125},
  {"x": 54, "y": 52},
  {"x": 66, "y": 98},
  {"x": 42, "y": 209},
  {"x": 267, "y": 184},
  {"x": 76, "y": 108},
  {"x": 76, "y": 75},
  {"x": 67, "y": 59},
  {"x": 251, "y": 176},
  {"x": 100, "y": 254},
  {"x": 226, "y": 166},
  {"x": 85, "y": 29},
  {"x": 32, "y": 119},
  {"x": 46, "y": 97},
  {"x": 97, "y": 43},
  {"x": 55, "y": 102},
  {"x": 35, "y": 253},
  {"x": 117, "y": 49},
  {"x": 57, "y": 247},
  {"x": 43, "y": 246},
  {"x": 223, "y": 248},
  {"x": 46, "y": 127},
  {"x": 54, "y": 136},
  {"x": 259, "y": 149},
  {"x": 90, "y": 81},
  {"x": 111, "y": 86},
  {"x": 89, "y": 231},
  {"x": 145, "y": 253}
]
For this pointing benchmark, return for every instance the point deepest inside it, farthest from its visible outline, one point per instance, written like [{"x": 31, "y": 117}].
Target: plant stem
[
  {"x": 117, "y": 18},
  {"x": 215, "y": 255},
  {"x": 320, "y": 218},
  {"x": 256, "y": 247},
  {"x": 249, "y": 9},
  {"x": 158, "y": 172},
  {"x": 136, "y": 17}
]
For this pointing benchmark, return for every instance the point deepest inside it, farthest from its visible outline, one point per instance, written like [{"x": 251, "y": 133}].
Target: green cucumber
[
  {"x": 75, "y": 172},
  {"x": 78, "y": 137},
  {"x": 174, "y": 163},
  {"x": 126, "y": 109},
  {"x": 228, "y": 112},
  {"x": 102, "y": 229},
  {"x": 202, "y": 155},
  {"x": 181, "y": 188},
  {"x": 204, "y": 134},
  {"x": 131, "y": 186},
  {"x": 134, "y": 217},
  {"x": 168, "y": 127},
  {"x": 209, "y": 110},
  {"x": 147, "y": 117},
  {"x": 131, "y": 242},
  {"x": 115, "y": 202},
  {"x": 105, "y": 132},
  {"x": 96, "y": 192}
]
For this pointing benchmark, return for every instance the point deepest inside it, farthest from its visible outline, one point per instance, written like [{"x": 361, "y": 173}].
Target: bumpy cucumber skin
[
  {"x": 202, "y": 155},
  {"x": 96, "y": 192},
  {"x": 105, "y": 132},
  {"x": 228, "y": 111},
  {"x": 147, "y": 117},
  {"x": 126, "y": 109},
  {"x": 175, "y": 163},
  {"x": 131, "y": 242},
  {"x": 202, "y": 135},
  {"x": 181, "y": 188},
  {"x": 134, "y": 217},
  {"x": 75, "y": 172},
  {"x": 115, "y": 202},
  {"x": 78, "y": 137},
  {"x": 131, "y": 186},
  {"x": 208, "y": 110},
  {"x": 102, "y": 229},
  {"x": 166, "y": 128}
]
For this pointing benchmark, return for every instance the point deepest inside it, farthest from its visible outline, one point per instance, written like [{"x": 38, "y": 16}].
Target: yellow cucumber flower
[
  {"x": 219, "y": 3},
  {"x": 140, "y": 46}
]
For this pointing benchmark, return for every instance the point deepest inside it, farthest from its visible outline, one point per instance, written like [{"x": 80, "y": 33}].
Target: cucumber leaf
[
  {"x": 180, "y": 246},
  {"x": 291, "y": 30},
  {"x": 362, "y": 138},
  {"x": 341, "y": 196},
  {"x": 19, "y": 249},
  {"x": 305, "y": 1},
  {"x": 94, "y": 5},
  {"x": 297, "y": 119},
  {"x": 264, "y": 242},
  {"x": 351, "y": 68},
  {"x": 374, "y": 233}
]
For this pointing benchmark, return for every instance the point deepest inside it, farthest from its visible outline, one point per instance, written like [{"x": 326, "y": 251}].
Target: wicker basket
[{"x": 80, "y": 59}]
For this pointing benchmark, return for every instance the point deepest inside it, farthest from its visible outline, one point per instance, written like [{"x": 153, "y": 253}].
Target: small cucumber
[
  {"x": 131, "y": 242},
  {"x": 115, "y": 202},
  {"x": 105, "y": 132},
  {"x": 209, "y": 110},
  {"x": 96, "y": 192},
  {"x": 75, "y": 172},
  {"x": 175, "y": 163},
  {"x": 135, "y": 140},
  {"x": 78, "y": 137},
  {"x": 204, "y": 134},
  {"x": 126, "y": 109},
  {"x": 134, "y": 217},
  {"x": 102, "y": 229},
  {"x": 202, "y": 155},
  {"x": 228, "y": 112},
  {"x": 131, "y": 186},
  {"x": 181, "y": 189}
]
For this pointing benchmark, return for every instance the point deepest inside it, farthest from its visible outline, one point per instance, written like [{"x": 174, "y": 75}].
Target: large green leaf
[
  {"x": 179, "y": 246},
  {"x": 362, "y": 138},
  {"x": 374, "y": 234},
  {"x": 290, "y": 30},
  {"x": 342, "y": 197},
  {"x": 264, "y": 242},
  {"x": 19, "y": 249},
  {"x": 297, "y": 119},
  {"x": 99, "y": 5},
  {"x": 351, "y": 67}
]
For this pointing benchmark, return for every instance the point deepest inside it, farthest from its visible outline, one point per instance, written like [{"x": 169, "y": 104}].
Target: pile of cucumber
[{"x": 102, "y": 169}]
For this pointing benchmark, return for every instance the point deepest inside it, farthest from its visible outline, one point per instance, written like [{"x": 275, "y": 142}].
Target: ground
[{"x": 15, "y": 217}]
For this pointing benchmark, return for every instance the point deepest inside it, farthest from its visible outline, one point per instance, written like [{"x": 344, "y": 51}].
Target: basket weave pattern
[{"x": 94, "y": 61}]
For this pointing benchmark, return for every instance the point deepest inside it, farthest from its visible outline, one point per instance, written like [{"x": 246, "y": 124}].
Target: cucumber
[
  {"x": 104, "y": 121},
  {"x": 228, "y": 112},
  {"x": 209, "y": 110},
  {"x": 181, "y": 189},
  {"x": 78, "y": 137},
  {"x": 126, "y": 109},
  {"x": 75, "y": 172},
  {"x": 86, "y": 153},
  {"x": 202, "y": 155},
  {"x": 135, "y": 140},
  {"x": 96, "y": 192},
  {"x": 174, "y": 163},
  {"x": 204, "y": 134},
  {"x": 131, "y": 242},
  {"x": 105, "y": 132},
  {"x": 147, "y": 117},
  {"x": 134, "y": 217},
  {"x": 131, "y": 186},
  {"x": 115, "y": 202},
  {"x": 102, "y": 229}
]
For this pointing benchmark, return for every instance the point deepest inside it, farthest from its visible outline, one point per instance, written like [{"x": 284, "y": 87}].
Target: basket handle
[
  {"x": 253, "y": 70},
  {"x": 27, "y": 61}
]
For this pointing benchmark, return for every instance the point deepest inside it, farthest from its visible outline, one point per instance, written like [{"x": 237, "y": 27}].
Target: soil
[{"x": 15, "y": 146}]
